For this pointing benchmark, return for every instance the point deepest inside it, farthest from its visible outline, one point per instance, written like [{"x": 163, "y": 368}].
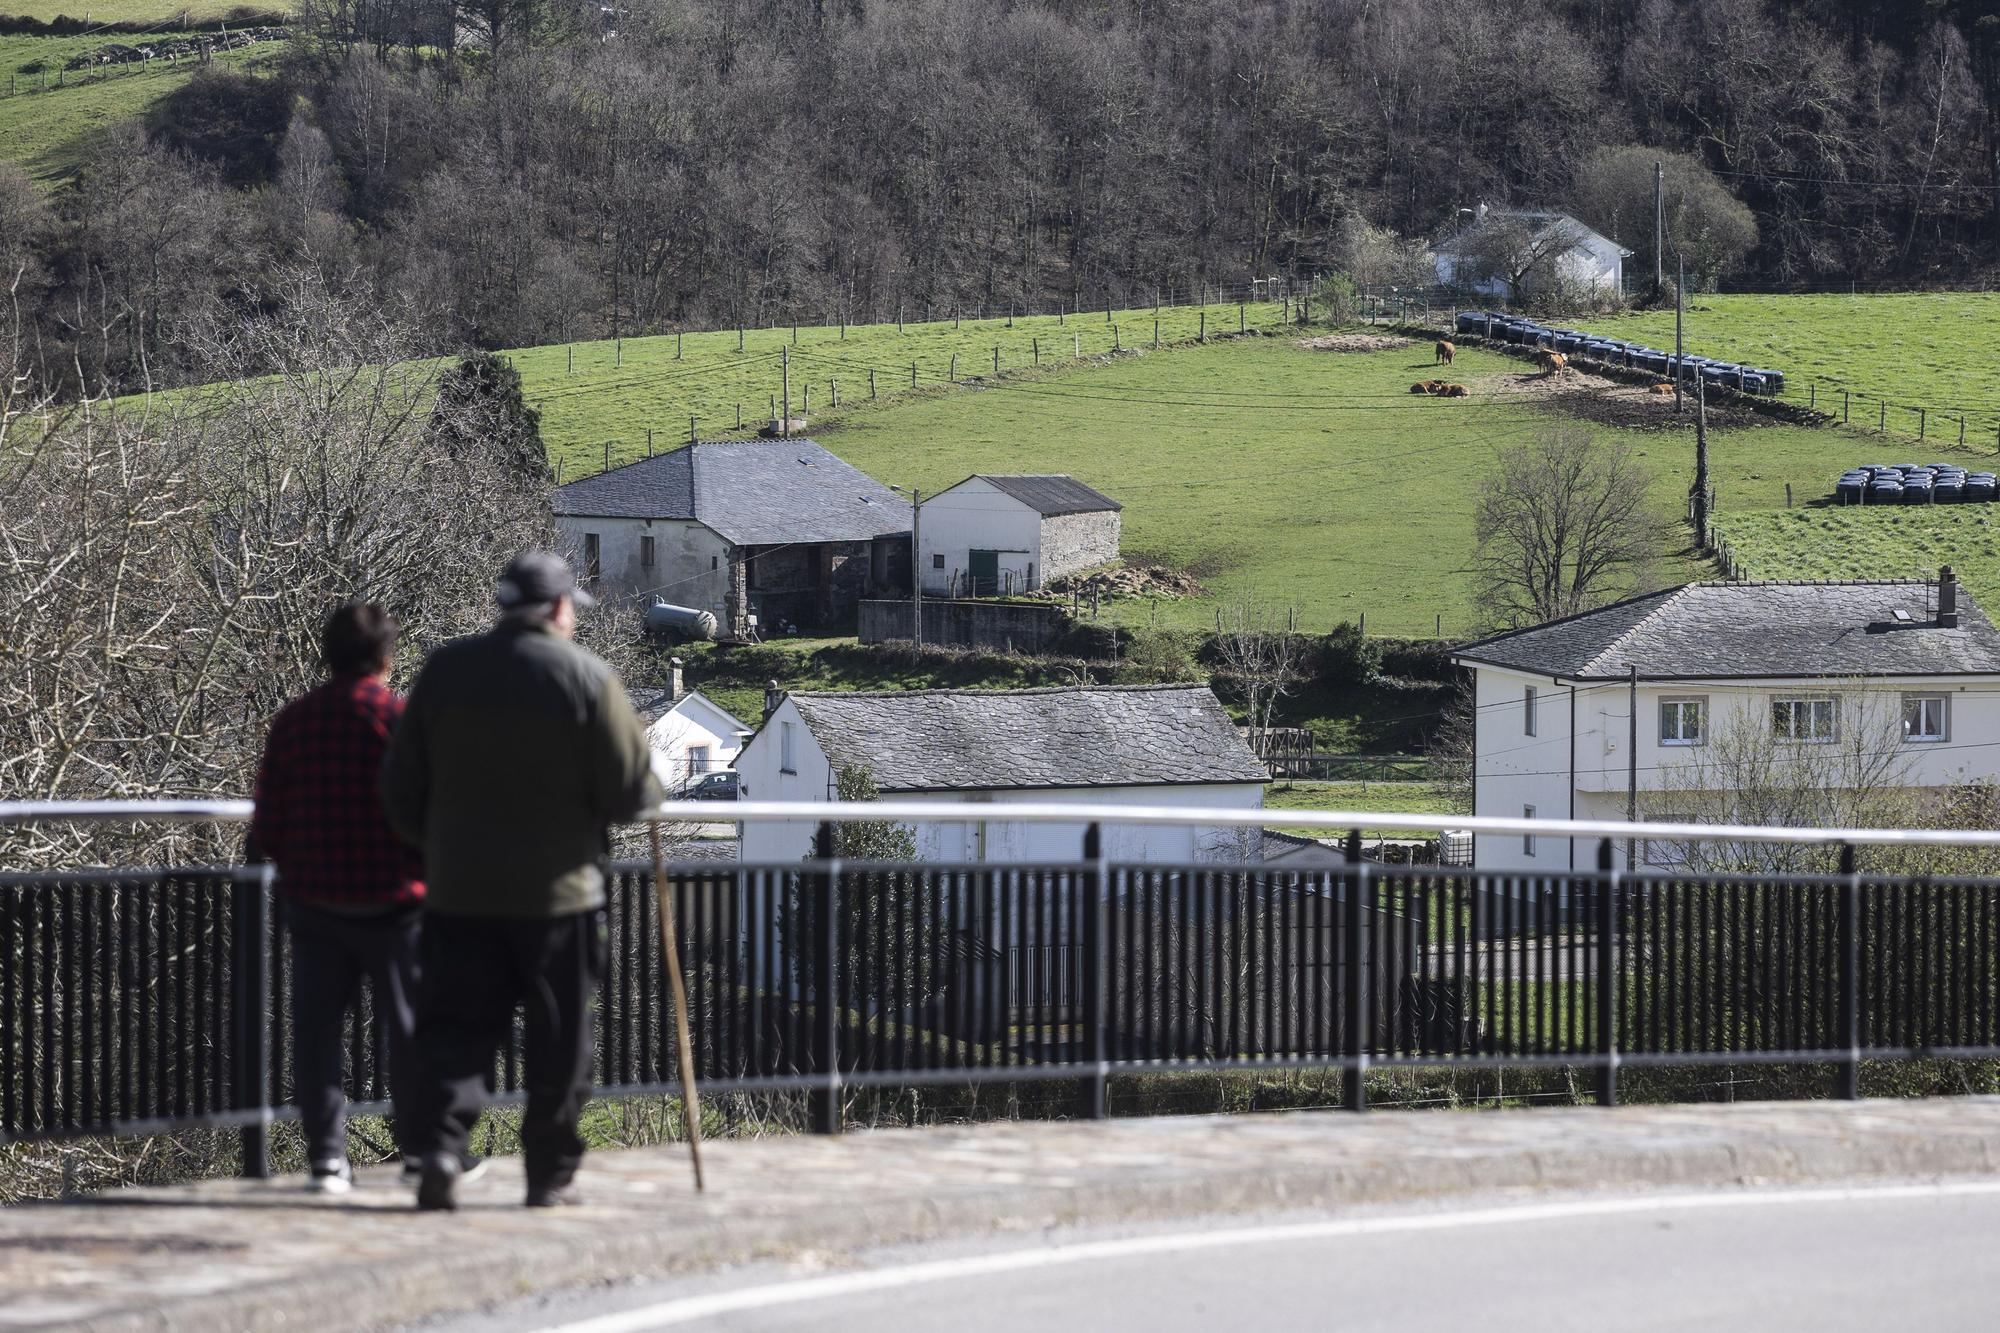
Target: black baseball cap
[{"x": 538, "y": 578}]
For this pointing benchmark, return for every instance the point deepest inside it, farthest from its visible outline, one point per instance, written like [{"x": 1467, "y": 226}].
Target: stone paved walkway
[{"x": 243, "y": 1254}]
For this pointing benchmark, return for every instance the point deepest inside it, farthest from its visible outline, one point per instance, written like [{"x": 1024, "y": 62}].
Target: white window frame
[
  {"x": 1812, "y": 703},
  {"x": 1527, "y": 839},
  {"x": 1921, "y": 697},
  {"x": 1528, "y": 711},
  {"x": 787, "y": 759},
  {"x": 1699, "y": 702}
]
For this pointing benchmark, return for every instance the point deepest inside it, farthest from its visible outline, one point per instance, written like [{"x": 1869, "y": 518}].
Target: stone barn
[
  {"x": 991, "y": 535},
  {"x": 779, "y": 530}
]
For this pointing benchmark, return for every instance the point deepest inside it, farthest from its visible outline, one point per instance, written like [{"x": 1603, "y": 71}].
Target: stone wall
[
  {"x": 1077, "y": 541},
  {"x": 1022, "y": 627}
]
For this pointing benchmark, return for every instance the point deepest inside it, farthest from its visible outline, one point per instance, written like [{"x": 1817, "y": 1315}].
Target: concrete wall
[
  {"x": 1000, "y": 626},
  {"x": 1078, "y": 541},
  {"x": 1514, "y": 770},
  {"x": 976, "y": 515},
  {"x": 690, "y": 562}
]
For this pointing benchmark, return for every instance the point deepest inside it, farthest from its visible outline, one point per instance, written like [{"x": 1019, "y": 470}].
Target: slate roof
[
  {"x": 1542, "y": 220},
  {"x": 1721, "y": 630},
  {"x": 1085, "y": 736},
  {"x": 1050, "y": 494},
  {"x": 653, "y": 702},
  {"x": 750, "y": 492}
]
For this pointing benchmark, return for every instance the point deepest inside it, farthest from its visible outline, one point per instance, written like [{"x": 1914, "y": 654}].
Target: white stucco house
[
  {"x": 1553, "y": 246},
  {"x": 1170, "y": 745},
  {"x": 1009, "y": 534},
  {"x": 690, "y": 733},
  {"x": 777, "y": 529},
  {"x": 1906, "y": 671}
]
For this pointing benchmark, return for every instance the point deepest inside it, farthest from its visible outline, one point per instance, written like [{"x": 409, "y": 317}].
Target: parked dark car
[{"x": 723, "y": 786}]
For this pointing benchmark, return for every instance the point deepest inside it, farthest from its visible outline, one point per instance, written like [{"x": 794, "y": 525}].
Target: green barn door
[{"x": 982, "y": 569}]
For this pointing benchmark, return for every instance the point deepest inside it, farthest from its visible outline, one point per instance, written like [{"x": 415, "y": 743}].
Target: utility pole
[
  {"x": 916, "y": 568},
  {"x": 1680, "y": 303},
  {"x": 785, "y": 421},
  {"x": 1659, "y": 223},
  {"x": 1698, "y": 493}
]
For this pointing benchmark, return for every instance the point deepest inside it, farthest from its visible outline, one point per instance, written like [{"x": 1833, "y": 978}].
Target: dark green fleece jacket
[{"x": 516, "y": 752}]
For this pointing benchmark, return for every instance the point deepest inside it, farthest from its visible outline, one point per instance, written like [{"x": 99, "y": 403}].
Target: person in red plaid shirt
[{"x": 352, "y": 889}]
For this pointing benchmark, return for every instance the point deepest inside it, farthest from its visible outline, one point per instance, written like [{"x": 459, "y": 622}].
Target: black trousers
[
  {"x": 331, "y": 952},
  {"x": 476, "y": 970}
]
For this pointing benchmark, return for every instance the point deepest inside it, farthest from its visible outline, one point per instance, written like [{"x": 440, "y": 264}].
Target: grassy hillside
[
  {"x": 1871, "y": 542},
  {"x": 1304, "y": 479},
  {"x": 166, "y": 13},
  {"x": 1935, "y": 350},
  {"x": 45, "y": 131},
  {"x": 603, "y": 393}
]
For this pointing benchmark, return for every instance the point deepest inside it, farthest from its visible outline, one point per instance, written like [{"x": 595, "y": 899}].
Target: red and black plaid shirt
[{"x": 319, "y": 799}]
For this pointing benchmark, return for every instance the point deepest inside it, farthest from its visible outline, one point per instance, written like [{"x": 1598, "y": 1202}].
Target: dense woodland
[{"x": 506, "y": 172}]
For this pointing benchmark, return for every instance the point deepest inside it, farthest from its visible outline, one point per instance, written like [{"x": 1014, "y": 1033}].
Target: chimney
[
  {"x": 773, "y": 696},
  {"x": 1947, "y": 613},
  {"x": 674, "y": 686}
]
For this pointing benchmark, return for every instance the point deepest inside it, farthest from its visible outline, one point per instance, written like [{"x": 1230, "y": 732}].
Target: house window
[
  {"x": 937, "y": 560},
  {"x": 1683, "y": 721},
  {"x": 714, "y": 562},
  {"x": 786, "y": 759},
  {"x": 645, "y": 552},
  {"x": 1807, "y": 719},
  {"x": 591, "y": 565},
  {"x": 1925, "y": 717},
  {"x": 697, "y": 760},
  {"x": 1528, "y": 839},
  {"x": 1528, "y": 712}
]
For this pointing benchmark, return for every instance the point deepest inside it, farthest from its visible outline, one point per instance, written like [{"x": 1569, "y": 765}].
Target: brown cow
[
  {"x": 1445, "y": 352},
  {"x": 1552, "y": 363},
  {"x": 1662, "y": 389},
  {"x": 1451, "y": 391},
  {"x": 1421, "y": 386}
]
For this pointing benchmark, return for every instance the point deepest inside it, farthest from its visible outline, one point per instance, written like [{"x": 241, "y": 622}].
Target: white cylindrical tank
[{"x": 666, "y": 618}]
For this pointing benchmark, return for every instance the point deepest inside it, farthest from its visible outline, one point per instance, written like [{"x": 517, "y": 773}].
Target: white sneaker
[{"x": 331, "y": 1177}]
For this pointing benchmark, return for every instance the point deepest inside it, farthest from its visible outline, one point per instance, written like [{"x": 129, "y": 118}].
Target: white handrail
[{"x": 1054, "y": 812}]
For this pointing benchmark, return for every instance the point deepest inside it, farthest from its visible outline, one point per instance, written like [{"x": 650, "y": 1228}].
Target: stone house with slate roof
[
  {"x": 1108, "y": 744},
  {"x": 1816, "y": 663},
  {"x": 993, "y": 535},
  {"x": 777, "y": 529}
]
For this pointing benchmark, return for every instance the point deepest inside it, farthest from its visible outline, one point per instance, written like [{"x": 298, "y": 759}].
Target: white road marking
[{"x": 687, "y": 1309}]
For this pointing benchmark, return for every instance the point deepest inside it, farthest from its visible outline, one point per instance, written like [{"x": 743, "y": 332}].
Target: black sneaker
[
  {"x": 470, "y": 1168},
  {"x": 437, "y": 1187},
  {"x": 554, "y": 1196}
]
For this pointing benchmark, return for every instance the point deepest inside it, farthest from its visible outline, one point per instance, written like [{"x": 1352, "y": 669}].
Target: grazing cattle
[
  {"x": 1552, "y": 363},
  {"x": 1451, "y": 391},
  {"x": 1662, "y": 389},
  {"x": 1445, "y": 352},
  {"x": 1424, "y": 386}
]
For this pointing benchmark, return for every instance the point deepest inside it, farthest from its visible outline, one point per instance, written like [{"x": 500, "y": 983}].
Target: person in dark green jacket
[{"x": 516, "y": 752}]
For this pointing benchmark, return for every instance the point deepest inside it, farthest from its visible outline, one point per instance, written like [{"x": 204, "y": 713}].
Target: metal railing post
[
  {"x": 1847, "y": 1081},
  {"x": 823, "y": 1102},
  {"x": 1096, "y": 889},
  {"x": 250, "y": 983},
  {"x": 1354, "y": 1079},
  {"x": 1608, "y": 889}
]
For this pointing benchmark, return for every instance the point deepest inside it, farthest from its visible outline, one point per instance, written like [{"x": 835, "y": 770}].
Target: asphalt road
[{"x": 1877, "y": 1257}]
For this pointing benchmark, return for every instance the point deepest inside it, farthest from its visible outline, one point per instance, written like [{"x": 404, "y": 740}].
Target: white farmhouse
[
  {"x": 778, "y": 529},
  {"x": 1550, "y": 248},
  {"x": 1170, "y": 745},
  {"x": 991, "y": 534},
  {"x": 690, "y": 733},
  {"x": 1583, "y": 717}
]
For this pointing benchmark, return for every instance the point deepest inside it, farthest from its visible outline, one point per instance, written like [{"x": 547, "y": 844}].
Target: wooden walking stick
[{"x": 685, "y": 1044}]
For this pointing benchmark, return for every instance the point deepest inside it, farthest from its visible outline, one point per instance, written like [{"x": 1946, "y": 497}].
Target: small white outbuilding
[{"x": 991, "y": 535}]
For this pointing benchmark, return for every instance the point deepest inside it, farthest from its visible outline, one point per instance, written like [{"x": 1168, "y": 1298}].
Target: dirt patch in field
[
  {"x": 1354, "y": 342},
  {"x": 1610, "y": 402},
  {"x": 1134, "y": 578}
]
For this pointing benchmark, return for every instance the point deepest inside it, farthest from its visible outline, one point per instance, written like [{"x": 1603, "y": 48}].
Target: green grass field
[
  {"x": 1871, "y": 543},
  {"x": 46, "y": 131},
  {"x": 1302, "y": 479},
  {"x": 166, "y": 13},
  {"x": 1930, "y": 350}
]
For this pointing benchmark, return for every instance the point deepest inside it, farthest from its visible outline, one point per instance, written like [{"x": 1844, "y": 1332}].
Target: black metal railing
[{"x": 132, "y": 1002}]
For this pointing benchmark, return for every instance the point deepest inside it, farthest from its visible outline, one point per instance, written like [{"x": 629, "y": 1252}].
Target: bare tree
[
  {"x": 1521, "y": 252},
  {"x": 1261, "y": 656},
  {"x": 1564, "y": 524}
]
